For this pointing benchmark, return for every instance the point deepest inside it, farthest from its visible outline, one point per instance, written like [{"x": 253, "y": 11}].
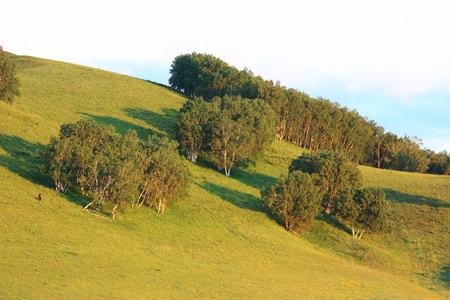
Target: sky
[{"x": 389, "y": 60}]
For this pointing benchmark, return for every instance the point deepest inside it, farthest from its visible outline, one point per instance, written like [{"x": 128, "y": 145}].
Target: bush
[
  {"x": 366, "y": 210},
  {"x": 9, "y": 84},
  {"x": 332, "y": 173},
  {"x": 294, "y": 199},
  {"x": 115, "y": 169}
]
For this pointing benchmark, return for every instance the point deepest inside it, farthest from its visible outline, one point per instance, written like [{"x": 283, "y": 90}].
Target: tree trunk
[
  {"x": 327, "y": 207},
  {"x": 86, "y": 207},
  {"x": 114, "y": 211},
  {"x": 362, "y": 232}
]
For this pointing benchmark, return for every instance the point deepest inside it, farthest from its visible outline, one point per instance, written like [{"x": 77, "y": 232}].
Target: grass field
[{"x": 217, "y": 243}]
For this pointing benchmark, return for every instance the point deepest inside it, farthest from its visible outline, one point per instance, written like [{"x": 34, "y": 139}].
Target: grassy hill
[{"x": 219, "y": 242}]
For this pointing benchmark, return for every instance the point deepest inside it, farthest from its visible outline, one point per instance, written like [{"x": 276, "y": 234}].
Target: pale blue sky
[{"x": 390, "y": 60}]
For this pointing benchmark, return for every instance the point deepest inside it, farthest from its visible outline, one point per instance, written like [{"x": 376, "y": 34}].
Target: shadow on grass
[
  {"x": 255, "y": 180},
  {"x": 237, "y": 198},
  {"x": 445, "y": 276},
  {"x": 333, "y": 222},
  {"x": 414, "y": 199},
  {"x": 22, "y": 158},
  {"x": 122, "y": 127},
  {"x": 165, "y": 122}
]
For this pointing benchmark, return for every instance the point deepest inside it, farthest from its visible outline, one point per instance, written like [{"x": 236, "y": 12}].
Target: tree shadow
[
  {"x": 237, "y": 198},
  {"x": 400, "y": 197},
  {"x": 165, "y": 122},
  {"x": 22, "y": 158},
  {"x": 333, "y": 222},
  {"x": 122, "y": 127},
  {"x": 253, "y": 179},
  {"x": 445, "y": 276}
]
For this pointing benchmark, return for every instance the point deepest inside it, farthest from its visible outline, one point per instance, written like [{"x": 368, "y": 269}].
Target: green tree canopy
[
  {"x": 194, "y": 126},
  {"x": 115, "y": 169},
  {"x": 9, "y": 83},
  {"x": 316, "y": 124},
  {"x": 330, "y": 171},
  {"x": 231, "y": 130},
  {"x": 294, "y": 199},
  {"x": 365, "y": 210}
]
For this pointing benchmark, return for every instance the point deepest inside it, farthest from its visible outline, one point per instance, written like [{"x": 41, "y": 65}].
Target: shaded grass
[
  {"x": 163, "y": 122},
  {"x": 21, "y": 157},
  {"x": 235, "y": 197}
]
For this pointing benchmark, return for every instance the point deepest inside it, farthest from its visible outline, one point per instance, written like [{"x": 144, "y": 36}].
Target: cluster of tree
[
  {"x": 439, "y": 162},
  {"x": 9, "y": 84},
  {"x": 229, "y": 130},
  {"x": 115, "y": 169},
  {"x": 326, "y": 181},
  {"x": 315, "y": 124}
]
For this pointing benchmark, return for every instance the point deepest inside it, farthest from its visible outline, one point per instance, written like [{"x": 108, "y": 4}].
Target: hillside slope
[{"x": 219, "y": 242}]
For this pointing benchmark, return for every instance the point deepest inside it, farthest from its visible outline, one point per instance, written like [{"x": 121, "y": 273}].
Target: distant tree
[
  {"x": 332, "y": 172},
  {"x": 316, "y": 124},
  {"x": 377, "y": 142},
  {"x": 406, "y": 155},
  {"x": 9, "y": 83},
  {"x": 294, "y": 199},
  {"x": 203, "y": 75},
  {"x": 439, "y": 162},
  {"x": 184, "y": 73}
]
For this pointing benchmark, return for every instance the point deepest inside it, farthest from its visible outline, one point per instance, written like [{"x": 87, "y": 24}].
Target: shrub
[{"x": 294, "y": 199}]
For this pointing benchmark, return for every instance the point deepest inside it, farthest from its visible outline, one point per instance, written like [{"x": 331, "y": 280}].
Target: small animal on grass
[{"x": 39, "y": 196}]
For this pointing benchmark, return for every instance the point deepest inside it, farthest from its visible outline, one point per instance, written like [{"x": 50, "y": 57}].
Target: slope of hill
[{"x": 219, "y": 242}]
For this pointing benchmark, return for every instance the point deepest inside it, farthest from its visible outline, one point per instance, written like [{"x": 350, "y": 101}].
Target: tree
[
  {"x": 365, "y": 210},
  {"x": 232, "y": 130},
  {"x": 330, "y": 171},
  {"x": 405, "y": 154},
  {"x": 115, "y": 169},
  {"x": 184, "y": 73},
  {"x": 203, "y": 75},
  {"x": 9, "y": 83},
  {"x": 374, "y": 210},
  {"x": 294, "y": 199},
  {"x": 165, "y": 176},
  {"x": 57, "y": 158},
  {"x": 194, "y": 126},
  {"x": 241, "y": 129},
  {"x": 439, "y": 162}
]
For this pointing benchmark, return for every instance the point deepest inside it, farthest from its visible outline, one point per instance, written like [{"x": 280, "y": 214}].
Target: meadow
[{"x": 219, "y": 242}]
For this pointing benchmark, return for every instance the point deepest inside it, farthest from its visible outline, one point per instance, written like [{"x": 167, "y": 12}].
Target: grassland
[{"x": 217, "y": 243}]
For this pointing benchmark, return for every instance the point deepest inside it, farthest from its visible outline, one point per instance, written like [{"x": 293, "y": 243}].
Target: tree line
[
  {"x": 315, "y": 124},
  {"x": 113, "y": 169}
]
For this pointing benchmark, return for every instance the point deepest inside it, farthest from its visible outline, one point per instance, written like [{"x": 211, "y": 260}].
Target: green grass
[{"x": 217, "y": 243}]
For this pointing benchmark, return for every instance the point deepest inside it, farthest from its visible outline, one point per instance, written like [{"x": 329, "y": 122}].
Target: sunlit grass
[{"x": 217, "y": 243}]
